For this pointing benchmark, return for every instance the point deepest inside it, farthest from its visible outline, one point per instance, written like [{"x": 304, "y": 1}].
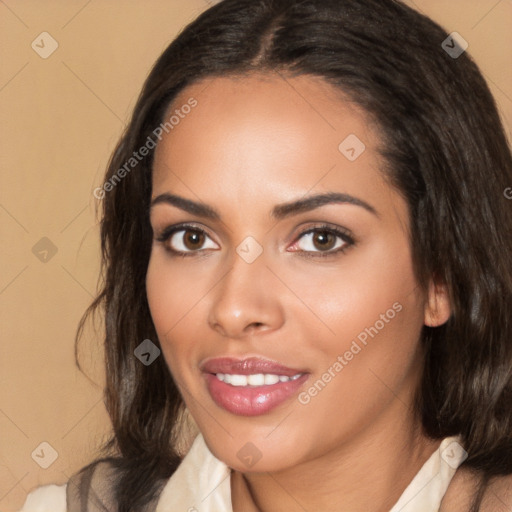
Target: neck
[{"x": 368, "y": 474}]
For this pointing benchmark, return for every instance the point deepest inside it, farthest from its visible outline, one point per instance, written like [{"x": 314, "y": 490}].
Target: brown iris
[
  {"x": 325, "y": 239},
  {"x": 193, "y": 239}
]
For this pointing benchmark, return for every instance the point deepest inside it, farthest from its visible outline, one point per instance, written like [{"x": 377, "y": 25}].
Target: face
[{"x": 281, "y": 315}]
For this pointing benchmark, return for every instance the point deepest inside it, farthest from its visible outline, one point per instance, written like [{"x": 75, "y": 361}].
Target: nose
[{"x": 246, "y": 301}]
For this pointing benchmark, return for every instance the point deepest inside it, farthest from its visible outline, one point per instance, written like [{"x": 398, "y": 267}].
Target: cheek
[
  {"x": 364, "y": 330},
  {"x": 371, "y": 288},
  {"x": 372, "y": 315},
  {"x": 171, "y": 297},
  {"x": 172, "y": 289},
  {"x": 161, "y": 295}
]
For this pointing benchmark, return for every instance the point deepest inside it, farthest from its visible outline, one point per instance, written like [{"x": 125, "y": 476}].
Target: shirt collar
[{"x": 202, "y": 482}]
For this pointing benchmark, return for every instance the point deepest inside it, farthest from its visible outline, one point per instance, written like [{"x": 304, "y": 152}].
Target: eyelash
[{"x": 168, "y": 232}]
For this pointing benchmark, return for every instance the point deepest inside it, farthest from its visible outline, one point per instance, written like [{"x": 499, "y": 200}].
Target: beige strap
[{"x": 90, "y": 490}]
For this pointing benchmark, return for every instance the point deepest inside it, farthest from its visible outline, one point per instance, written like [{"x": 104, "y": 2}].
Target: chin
[{"x": 255, "y": 452}]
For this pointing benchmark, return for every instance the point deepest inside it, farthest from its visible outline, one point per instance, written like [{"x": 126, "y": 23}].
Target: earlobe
[{"x": 437, "y": 307}]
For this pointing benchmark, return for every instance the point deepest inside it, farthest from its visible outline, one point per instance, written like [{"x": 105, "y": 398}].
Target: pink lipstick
[{"x": 252, "y": 386}]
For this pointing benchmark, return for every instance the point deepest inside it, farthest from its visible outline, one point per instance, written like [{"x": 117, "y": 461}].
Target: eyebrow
[{"x": 279, "y": 212}]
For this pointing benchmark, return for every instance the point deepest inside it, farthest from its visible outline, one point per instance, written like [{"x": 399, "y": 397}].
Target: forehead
[{"x": 269, "y": 133}]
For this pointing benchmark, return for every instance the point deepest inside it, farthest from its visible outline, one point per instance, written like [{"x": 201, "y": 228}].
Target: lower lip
[{"x": 251, "y": 401}]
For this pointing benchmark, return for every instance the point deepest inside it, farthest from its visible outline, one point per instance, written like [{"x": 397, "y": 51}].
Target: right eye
[{"x": 185, "y": 240}]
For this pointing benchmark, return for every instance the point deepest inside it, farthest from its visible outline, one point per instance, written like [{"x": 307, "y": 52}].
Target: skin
[
  {"x": 459, "y": 495},
  {"x": 251, "y": 143}
]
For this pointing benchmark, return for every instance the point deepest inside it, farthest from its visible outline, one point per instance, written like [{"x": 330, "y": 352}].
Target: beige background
[{"x": 61, "y": 117}]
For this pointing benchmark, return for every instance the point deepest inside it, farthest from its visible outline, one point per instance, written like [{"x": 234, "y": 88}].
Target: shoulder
[
  {"x": 464, "y": 487},
  {"x": 92, "y": 483},
  {"x": 47, "y": 498}
]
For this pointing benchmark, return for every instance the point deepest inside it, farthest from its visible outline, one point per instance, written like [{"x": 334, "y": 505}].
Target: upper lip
[{"x": 248, "y": 366}]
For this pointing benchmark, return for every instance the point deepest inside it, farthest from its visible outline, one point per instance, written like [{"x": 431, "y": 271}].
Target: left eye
[
  {"x": 187, "y": 240},
  {"x": 323, "y": 240}
]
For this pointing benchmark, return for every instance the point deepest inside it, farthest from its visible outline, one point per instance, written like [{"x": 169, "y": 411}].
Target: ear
[{"x": 437, "y": 307}]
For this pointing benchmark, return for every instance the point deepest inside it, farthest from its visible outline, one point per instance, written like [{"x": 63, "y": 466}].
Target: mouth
[
  {"x": 252, "y": 386},
  {"x": 255, "y": 379}
]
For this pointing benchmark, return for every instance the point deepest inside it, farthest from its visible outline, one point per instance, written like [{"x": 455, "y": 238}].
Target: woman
[{"x": 306, "y": 244}]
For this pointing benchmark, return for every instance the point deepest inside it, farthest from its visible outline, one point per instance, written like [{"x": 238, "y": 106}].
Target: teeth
[
  {"x": 271, "y": 379},
  {"x": 238, "y": 380},
  {"x": 257, "y": 379}
]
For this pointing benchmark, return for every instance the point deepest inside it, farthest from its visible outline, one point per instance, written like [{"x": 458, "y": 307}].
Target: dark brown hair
[{"x": 445, "y": 151}]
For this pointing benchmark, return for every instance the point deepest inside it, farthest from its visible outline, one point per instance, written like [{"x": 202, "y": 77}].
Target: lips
[{"x": 251, "y": 386}]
